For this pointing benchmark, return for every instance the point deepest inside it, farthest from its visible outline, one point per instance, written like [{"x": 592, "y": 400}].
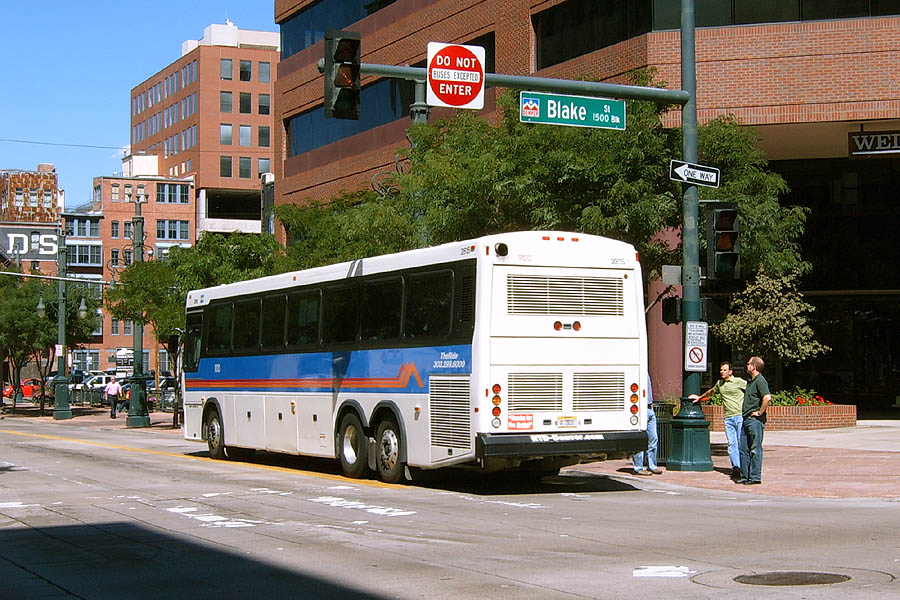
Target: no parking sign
[{"x": 696, "y": 334}]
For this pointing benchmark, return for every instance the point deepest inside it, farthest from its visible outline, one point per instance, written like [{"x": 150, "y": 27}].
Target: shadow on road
[{"x": 125, "y": 560}]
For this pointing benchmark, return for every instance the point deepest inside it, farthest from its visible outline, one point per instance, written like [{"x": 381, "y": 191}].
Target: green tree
[{"x": 770, "y": 319}]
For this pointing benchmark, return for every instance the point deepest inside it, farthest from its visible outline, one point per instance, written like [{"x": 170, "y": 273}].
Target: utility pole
[{"x": 61, "y": 408}]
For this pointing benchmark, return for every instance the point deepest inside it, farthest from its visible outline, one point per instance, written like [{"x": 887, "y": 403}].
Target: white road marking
[
  {"x": 356, "y": 505},
  {"x": 662, "y": 571}
]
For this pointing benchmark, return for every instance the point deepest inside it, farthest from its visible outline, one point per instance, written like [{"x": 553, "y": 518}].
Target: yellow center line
[{"x": 329, "y": 476}]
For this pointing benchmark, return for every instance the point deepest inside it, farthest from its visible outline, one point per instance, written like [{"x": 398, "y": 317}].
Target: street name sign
[
  {"x": 691, "y": 173},
  {"x": 696, "y": 334},
  {"x": 455, "y": 76},
  {"x": 574, "y": 111}
]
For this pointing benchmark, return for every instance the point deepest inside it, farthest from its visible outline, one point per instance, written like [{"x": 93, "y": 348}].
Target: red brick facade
[
  {"x": 766, "y": 75},
  {"x": 782, "y": 418}
]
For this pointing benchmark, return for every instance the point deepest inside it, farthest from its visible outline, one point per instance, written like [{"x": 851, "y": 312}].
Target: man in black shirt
[{"x": 756, "y": 401}]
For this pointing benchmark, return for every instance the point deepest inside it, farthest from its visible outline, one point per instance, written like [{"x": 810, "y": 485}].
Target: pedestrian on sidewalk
[
  {"x": 732, "y": 388},
  {"x": 756, "y": 401},
  {"x": 652, "y": 440},
  {"x": 113, "y": 391}
]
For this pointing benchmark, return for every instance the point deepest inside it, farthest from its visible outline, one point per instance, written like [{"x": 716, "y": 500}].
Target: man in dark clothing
[{"x": 756, "y": 401}]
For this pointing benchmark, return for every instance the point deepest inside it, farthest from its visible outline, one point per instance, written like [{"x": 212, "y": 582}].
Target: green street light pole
[
  {"x": 61, "y": 408},
  {"x": 690, "y": 429},
  {"x": 138, "y": 416}
]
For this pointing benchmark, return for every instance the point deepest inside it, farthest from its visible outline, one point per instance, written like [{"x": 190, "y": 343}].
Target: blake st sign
[{"x": 574, "y": 111}]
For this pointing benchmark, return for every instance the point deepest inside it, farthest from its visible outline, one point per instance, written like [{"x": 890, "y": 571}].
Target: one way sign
[{"x": 696, "y": 174}]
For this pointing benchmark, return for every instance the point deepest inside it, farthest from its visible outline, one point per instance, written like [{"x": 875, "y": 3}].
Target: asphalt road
[{"x": 94, "y": 514}]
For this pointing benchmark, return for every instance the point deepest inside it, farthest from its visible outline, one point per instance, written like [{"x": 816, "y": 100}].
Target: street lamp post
[
  {"x": 61, "y": 408},
  {"x": 138, "y": 415}
]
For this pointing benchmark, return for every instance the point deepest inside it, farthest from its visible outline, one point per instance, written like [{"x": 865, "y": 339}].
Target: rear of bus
[{"x": 562, "y": 339}]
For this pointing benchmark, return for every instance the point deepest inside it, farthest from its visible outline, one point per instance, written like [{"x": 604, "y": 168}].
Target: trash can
[{"x": 664, "y": 415}]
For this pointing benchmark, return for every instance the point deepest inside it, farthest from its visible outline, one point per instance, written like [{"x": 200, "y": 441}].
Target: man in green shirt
[
  {"x": 732, "y": 389},
  {"x": 756, "y": 401}
]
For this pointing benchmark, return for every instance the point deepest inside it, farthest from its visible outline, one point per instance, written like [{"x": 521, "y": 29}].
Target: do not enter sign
[{"x": 455, "y": 76}]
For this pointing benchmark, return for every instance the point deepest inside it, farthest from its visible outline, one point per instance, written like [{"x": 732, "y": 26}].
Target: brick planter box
[{"x": 782, "y": 418}]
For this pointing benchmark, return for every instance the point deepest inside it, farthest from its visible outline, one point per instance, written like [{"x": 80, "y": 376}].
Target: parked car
[{"x": 30, "y": 388}]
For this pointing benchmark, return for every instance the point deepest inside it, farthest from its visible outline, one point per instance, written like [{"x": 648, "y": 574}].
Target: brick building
[
  {"x": 208, "y": 116},
  {"x": 100, "y": 244},
  {"x": 816, "y": 79},
  {"x": 30, "y": 205}
]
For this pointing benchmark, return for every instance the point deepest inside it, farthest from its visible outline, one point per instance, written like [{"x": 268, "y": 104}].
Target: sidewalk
[
  {"x": 847, "y": 462},
  {"x": 87, "y": 416}
]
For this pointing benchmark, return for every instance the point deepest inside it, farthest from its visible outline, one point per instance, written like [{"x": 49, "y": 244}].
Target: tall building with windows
[
  {"x": 817, "y": 80},
  {"x": 100, "y": 243},
  {"x": 208, "y": 116}
]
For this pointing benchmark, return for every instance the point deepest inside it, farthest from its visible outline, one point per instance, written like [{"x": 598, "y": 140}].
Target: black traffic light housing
[
  {"x": 342, "y": 58},
  {"x": 723, "y": 246},
  {"x": 671, "y": 310}
]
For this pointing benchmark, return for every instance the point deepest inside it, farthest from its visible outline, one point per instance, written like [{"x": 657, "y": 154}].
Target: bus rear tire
[
  {"x": 215, "y": 435},
  {"x": 353, "y": 447},
  {"x": 390, "y": 450}
]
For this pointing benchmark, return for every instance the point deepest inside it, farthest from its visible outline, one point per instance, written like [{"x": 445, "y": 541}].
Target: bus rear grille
[
  {"x": 535, "y": 391},
  {"x": 599, "y": 391},
  {"x": 565, "y": 296},
  {"x": 449, "y": 405}
]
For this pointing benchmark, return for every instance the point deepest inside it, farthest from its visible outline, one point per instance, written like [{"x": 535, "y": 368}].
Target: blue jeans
[
  {"x": 652, "y": 444},
  {"x": 733, "y": 433},
  {"x": 751, "y": 449}
]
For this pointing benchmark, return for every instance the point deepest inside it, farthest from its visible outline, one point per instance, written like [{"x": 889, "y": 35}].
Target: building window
[
  {"x": 33, "y": 198},
  {"x": 82, "y": 255},
  {"x": 172, "y": 193},
  {"x": 20, "y": 197},
  {"x": 224, "y": 166},
  {"x": 128, "y": 192},
  {"x": 245, "y": 103},
  {"x": 225, "y": 102},
  {"x": 245, "y": 67},
  {"x": 170, "y": 229},
  {"x": 115, "y": 192},
  {"x": 94, "y": 228},
  {"x": 225, "y": 134},
  {"x": 244, "y": 163},
  {"x": 142, "y": 196},
  {"x": 86, "y": 360},
  {"x": 126, "y": 256},
  {"x": 114, "y": 327},
  {"x": 264, "y": 72},
  {"x": 48, "y": 199},
  {"x": 126, "y": 231},
  {"x": 114, "y": 257},
  {"x": 225, "y": 68},
  {"x": 126, "y": 327},
  {"x": 114, "y": 229},
  {"x": 262, "y": 136},
  {"x": 262, "y": 166},
  {"x": 245, "y": 133},
  {"x": 307, "y": 26},
  {"x": 263, "y": 104}
]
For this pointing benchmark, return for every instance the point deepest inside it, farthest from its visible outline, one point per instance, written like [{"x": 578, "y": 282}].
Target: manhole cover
[{"x": 792, "y": 578}]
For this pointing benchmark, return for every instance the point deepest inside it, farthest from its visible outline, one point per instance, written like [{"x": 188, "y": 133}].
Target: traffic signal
[
  {"x": 723, "y": 249},
  {"x": 671, "y": 310},
  {"x": 342, "y": 56}
]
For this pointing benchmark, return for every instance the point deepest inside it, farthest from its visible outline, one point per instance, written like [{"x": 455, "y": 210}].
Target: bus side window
[
  {"x": 246, "y": 326},
  {"x": 382, "y": 302},
  {"x": 219, "y": 337},
  {"x": 428, "y": 305},
  {"x": 272, "y": 334},
  {"x": 340, "y": 314},
  {"x": 192, "y": 339},
  {"x": 303, "y": 318}
]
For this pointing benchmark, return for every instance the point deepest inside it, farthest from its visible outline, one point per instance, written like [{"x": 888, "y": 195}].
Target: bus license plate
[{"x": 567, "y": 422}]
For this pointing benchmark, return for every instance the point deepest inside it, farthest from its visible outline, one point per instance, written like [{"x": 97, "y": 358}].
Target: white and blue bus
[{"x": 523, "y": 351}]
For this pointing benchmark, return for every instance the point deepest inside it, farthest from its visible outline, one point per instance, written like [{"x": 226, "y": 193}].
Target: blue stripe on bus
[{"x": 398, "y": 370}]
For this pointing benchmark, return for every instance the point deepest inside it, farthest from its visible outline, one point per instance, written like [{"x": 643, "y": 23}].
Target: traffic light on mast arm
[
  {"x": 723, "y": 247},
  {"x": 342, "y": 57}
]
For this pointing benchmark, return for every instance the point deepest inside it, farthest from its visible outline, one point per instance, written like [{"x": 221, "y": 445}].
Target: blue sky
[{"x": 67, "y": 72}]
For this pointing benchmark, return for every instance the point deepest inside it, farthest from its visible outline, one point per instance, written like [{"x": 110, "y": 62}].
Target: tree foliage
[{"x": 770, "y": 319}]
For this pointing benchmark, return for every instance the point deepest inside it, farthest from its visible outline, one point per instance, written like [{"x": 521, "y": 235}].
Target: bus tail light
[
  {"x": 495, "y": 400},
  {"x": 634, "y": 409},
  {"x": 576, "y": 325},
  {"x": 496, "y": 411},
  {"x": 634, "y": 388},
  {"x": 496, "y": 388},
  {"x": 557, "y": 326}
]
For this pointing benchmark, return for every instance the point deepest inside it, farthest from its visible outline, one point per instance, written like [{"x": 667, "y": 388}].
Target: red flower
[{"x": 801, "y": 400}]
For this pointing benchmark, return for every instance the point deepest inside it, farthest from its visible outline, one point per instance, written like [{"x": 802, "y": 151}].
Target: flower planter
[{"x": 782, "y": 418}]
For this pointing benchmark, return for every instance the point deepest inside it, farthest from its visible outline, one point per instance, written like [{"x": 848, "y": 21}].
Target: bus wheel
[
  {"x": 352, "y": 447},
  {"x": 389, "y": 451},
  {"x": 215, "y": 435}
]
